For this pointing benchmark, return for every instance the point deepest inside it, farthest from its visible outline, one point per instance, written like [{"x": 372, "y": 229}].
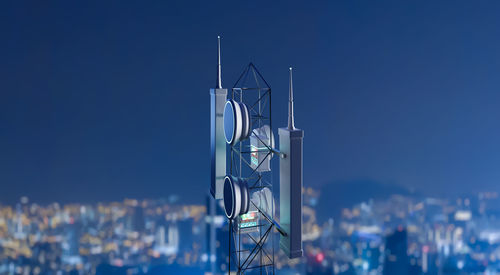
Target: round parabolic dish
[
  {"x": 232, "y": 197},
  {"x": 245, "y": 196},
  {"x": 228, "y": 197},
  {"x": 229, "y": 122},
  {"x": 245, "y": 121},
  {"x": 270, "y": 209}
]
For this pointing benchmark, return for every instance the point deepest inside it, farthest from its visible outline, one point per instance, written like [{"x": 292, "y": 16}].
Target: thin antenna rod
[
  {"x": 291, "y": 123},
  {"x": 219, "y": 76}
]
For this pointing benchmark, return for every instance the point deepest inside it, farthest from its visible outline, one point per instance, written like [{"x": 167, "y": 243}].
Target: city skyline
[
  {"x": 401, "y": 234},
  {"x": 95, "y": 106}
]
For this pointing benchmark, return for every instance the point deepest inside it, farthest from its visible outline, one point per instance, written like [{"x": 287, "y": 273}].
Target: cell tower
[{"x": 242, "y": 150}]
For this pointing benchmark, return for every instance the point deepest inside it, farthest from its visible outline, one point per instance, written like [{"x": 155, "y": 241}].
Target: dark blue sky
[{"x": 104, "y": 100}]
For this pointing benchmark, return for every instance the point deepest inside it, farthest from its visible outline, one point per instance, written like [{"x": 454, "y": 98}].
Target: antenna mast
[
  {"x": 291, "y": 123},
  {"x": 219, "y": 77}
]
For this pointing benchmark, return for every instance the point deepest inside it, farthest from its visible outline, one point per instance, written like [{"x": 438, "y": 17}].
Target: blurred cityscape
[{"x": 397, "y": 235}]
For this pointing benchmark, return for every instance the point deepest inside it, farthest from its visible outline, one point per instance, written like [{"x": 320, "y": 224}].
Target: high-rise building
[
  {"x": 396, "y": 258},
  {"x": 135, "y": 219}
]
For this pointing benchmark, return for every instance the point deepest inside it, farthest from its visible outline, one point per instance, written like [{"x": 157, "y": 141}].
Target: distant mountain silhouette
[{"x": 342, "y": 194}]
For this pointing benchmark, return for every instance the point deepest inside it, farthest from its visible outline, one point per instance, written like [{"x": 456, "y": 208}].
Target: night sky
[{"x": 110, "y": 99}]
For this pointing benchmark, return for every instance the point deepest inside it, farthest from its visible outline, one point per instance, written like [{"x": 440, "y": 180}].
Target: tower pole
[
  {"x": 219, "y": 74},
  {"x": 291, "y": 122}
]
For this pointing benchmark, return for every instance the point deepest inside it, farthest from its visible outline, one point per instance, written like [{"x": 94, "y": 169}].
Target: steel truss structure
[{"x": 251, "y": 245}]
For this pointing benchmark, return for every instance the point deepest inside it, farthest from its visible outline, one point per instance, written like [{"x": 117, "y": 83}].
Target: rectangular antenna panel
[
  {"x": 218, "y": 99},
  {"x": 291, "y": 191}
]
